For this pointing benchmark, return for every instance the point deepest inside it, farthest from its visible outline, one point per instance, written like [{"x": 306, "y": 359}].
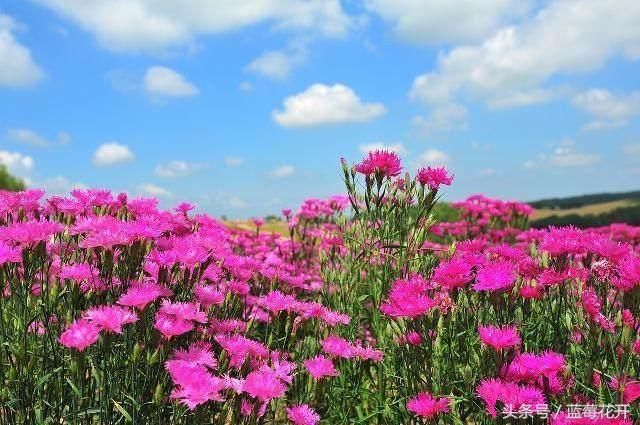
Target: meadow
[{"x": 365, "y": 310}]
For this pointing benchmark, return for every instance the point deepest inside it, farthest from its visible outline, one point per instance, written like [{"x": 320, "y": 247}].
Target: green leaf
[{"x": 124, "y": 413}]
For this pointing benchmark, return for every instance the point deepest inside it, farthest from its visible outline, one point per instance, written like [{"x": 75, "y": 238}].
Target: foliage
[{"x": 9, "y": 182}]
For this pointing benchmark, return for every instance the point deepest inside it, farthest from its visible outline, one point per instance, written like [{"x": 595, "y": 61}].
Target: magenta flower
[
  {"x": 9, "y": 254},
  {"x": 496, "y": 276},
  {"x": 80, "y": 335},
  {"x": 141, "y": 294},
  {"x": 426, "y": 406},
  {"x": 264, "y": 385},
  {"x": 384, "y": 163},
  {"x": 110, "y": 318},
  {"x": 499, "y": 337},
  {"x": 302, "y": 414},
  {"x": 170, "y": 326},
  {"x": 408, "y": 298},
  {"x": 194, "y": 384},
  {"x": 433, "y": 178},
  {"x": 320, "y": 367}
]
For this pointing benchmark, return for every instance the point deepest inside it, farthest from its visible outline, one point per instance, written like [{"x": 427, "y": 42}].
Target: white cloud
[
  {"x": 277, "y": 64},
  {"x": 59, "y": 185},
  {"x": 443, "y": 118},
  {"x": 154, "y": 190},
  {"x": 631, "y": 150},
  {"x": 30, "y": 137},
  {"x": 448, "y": 21},
  {"x": 393, "y": 147},
  {"x": 508, "y": 68},
  {"x": 165, "y": 82},
  {"x": 563, "y": 156},
  {"x": 17, "y": 67},
  {"x": 154, "y": 26},
  {"x": 283, "y": 171},
  {"x": 233, "y": 161},
  {"x": 174, "y": 169},
  {"x": 606, "y": 109},
  {"x": 245, "y": 86},
  {"x": 432, "y": 157},
  {"x": 321, "y": 104},
  {"x": 112, "y": 153},
  {"x": 488, "y": 172},
  {"x": 17, "y": 163},
  {"x": 224, "y": 199}
]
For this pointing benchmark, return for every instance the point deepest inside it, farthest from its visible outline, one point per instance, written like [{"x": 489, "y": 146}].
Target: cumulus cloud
[
  {"x": 233, "y": 161},
  {"x": 321, "y": 105},
  {"x": 152, "y": 26},
  {"x": 510, "y": 67},
  {"x": 17, "y": 66},
  {"x": 174, "y": 169},
  {"x": 154, "y": 190},
  {"x": 563, "y": 156},
  {"x": 606, "y": 109},
  {"x": 277, "y": 64},
  {"x": 30, "y": 137},
  {"x": 432, "y": 157},
  {"x": 17, "y": 163},
  {"x": 165, "y": 82},
  {"x": 450, "y": 21},
  {"x": 112, "y": 153},
  {"x": 283, "y": 171},
  {"x": 379, "y": 146},
  {"x": 443, "y": 118},
  {"x": 59, "y": 185}
]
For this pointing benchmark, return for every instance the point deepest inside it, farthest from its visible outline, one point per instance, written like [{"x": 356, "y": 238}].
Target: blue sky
[{"x": 245, "y": 110}]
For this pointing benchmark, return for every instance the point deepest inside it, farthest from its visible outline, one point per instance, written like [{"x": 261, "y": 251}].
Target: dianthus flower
[
  {"x": 110, "y": 318},
  {"x": 320, "y": 367},
  {"x": 302, "y": 414},
  {"x": 80, "y": 335},
  {"x": 426, "y": 406},
  {"x": 496, "y": 276},
  {"x": 499, "y": 337},
  {"x": 433, "y": 178},
  {"x": 385, "y": 163},
  {"x": 264, "y": 385},
  {"x": 140, "y": 294}
]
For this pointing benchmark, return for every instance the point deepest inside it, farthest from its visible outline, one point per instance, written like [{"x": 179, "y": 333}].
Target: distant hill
[
  {"x": 582, "y": 200},
  {"x": 588, "y": 210}
]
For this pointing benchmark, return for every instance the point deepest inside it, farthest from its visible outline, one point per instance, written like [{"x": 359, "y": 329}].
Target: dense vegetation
[
  {"x": 580, "y": 201},
  {"x": 373, "y": 312},
  {"x": 9, "y": 182}
]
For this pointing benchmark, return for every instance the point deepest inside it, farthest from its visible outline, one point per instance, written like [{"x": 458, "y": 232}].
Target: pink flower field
[{"x": 370, "y": 311}]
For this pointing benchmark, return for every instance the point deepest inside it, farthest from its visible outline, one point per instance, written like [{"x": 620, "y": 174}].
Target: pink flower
[
  {"x": 110, "y": 318},
  {"x": 183, "y": 311},
  {"x": 198, "y": 353},
  {"x": 239, "y": 348},
  {"x": 425, "y": 405},
  {"x": 510, "y": 394},
  {"x": 408, "y": 298},
  {"x": 264, "y": 385},
  {"x": 141, "y": 294},
  {"x": 319, "y": 367},
  {"x": 209, "y": 295},
  {"x": 496, "y": 276},
  {"x": 170, "y": 326},
  {"x": 384, "y": 163},
  {"x": 80, "y": 335},
  {"x": 434, "y": 177},
  {"x": 302, "y": 414},
  {"x": 9, "y": 254},
  {"x": 499, "y": 337},
  {"x": 194, "y": 384},
  {"x": 337, "y": 347}
]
